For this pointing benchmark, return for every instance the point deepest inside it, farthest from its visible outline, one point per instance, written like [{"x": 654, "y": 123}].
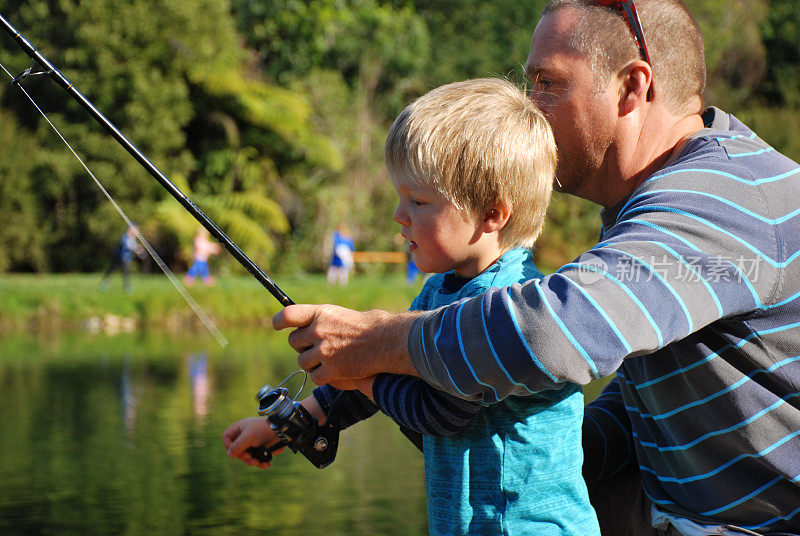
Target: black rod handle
[{"x": 187, "y": 203}]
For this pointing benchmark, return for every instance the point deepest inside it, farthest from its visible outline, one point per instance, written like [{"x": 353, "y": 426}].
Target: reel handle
[{"x": 264, "y": 454}]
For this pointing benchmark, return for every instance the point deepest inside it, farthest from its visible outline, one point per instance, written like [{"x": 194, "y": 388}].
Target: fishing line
[{"x": 198, "y": 311}]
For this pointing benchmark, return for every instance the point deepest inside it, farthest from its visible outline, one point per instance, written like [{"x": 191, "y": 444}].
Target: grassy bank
[{"x": 76, "y": 300}]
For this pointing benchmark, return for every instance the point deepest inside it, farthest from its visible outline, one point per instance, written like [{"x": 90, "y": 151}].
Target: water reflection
[
  {"x": 127, "y": 398},
  {"x": 201, "y": 385},
  {"x": 121, "y": 435}
]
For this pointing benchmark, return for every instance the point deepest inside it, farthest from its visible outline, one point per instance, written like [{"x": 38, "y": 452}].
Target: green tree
[
  {"x": 21, "y": 235},
  {"x": 475, "y": 38},
  {"x": 374, "y": 45},
  {"x": 736, "y": 60},
  {"x": 781, "y": 37},
  {"x": 250, "y": 216},
  {"x": 162, "y": 71},
  {"x": 359, "y": 62},
  {"x": 752, "y": 52}
]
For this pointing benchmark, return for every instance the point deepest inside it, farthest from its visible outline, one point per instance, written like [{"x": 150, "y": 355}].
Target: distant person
[
  {"x": 341, "y": 261},
  {"x": 412, "y": 271},
  {"x": 127, "y": 247},
  {"x": 470, "y": 208},
  {"x": 203, "y": 249}
]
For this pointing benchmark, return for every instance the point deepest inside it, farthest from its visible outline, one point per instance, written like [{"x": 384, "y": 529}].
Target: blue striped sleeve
[
  {"x": 412, "y": 403},
  {"x": 351, "y": 406},
  {"x": 607, "y": 437}
]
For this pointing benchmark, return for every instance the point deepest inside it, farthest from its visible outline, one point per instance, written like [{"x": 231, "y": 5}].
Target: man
[{"x": 691, "y": 294}]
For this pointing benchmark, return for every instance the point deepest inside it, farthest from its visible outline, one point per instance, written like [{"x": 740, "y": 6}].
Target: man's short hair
[
  {"x": 673, "y": 40},
  {"x": 478, "y": 142}
]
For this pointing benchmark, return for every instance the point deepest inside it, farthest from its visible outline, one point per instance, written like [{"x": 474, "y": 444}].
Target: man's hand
[{"x": 338, "y": 345}]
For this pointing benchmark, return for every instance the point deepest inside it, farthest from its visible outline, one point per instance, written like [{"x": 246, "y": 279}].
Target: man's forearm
[{"x": 391, "y": 344}]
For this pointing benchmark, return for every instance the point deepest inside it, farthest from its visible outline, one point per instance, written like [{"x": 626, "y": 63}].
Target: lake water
[{"x": 121, "y": 436}]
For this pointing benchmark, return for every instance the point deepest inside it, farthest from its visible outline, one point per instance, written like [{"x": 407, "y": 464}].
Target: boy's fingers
[
  {"x": 238, "y": 449},
  {"x": 230, "y": 434}
]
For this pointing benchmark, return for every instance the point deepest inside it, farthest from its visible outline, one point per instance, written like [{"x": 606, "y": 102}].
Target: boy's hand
[
  {"x": 254, "y": 432},
  {"x": 246, "y": 433}
]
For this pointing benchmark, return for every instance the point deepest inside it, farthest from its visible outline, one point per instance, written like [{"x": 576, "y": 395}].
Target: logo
[{"x": 590, "y": 269}]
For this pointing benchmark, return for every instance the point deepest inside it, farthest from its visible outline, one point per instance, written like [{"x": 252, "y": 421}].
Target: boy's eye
[{"x": 416, "y": 202}]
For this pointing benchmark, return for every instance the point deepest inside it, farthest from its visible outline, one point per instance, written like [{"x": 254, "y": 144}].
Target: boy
[{"x": 473, "y": 164}]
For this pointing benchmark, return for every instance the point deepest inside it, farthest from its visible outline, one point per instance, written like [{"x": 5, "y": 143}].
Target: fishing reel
[{"x": 295, "y": 426}]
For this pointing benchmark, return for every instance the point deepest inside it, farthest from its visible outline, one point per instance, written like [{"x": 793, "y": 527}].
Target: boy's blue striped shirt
[{"x": 497, "y": 471}]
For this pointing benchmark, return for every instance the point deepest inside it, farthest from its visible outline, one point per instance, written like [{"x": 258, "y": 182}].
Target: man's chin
[
  {"x": 567, "y": 185},
  {"x": 562, "y": 188}
]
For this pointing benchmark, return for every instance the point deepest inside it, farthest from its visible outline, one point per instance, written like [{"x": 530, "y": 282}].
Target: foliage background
[{"x": 272, "y": 113}]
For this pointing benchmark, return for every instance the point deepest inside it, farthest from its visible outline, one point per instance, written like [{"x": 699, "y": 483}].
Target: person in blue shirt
[
  {"x": 341, "y": 261},
  {"x": 412, "y": 271},
  {"x": 473, "y": 165},
  {"x": 127, "y": 247}
]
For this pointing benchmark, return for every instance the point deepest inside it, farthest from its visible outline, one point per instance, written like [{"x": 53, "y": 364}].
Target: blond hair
[
  {"x": 478, "y": 142},
  {"x": 673, "y": 40}
]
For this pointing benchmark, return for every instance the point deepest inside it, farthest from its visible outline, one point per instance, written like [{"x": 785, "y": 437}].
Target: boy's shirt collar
[{"x": 453, "y": 283}]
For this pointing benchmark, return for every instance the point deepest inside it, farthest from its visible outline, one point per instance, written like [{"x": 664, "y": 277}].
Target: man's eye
[{"x": 541, "y": 84}]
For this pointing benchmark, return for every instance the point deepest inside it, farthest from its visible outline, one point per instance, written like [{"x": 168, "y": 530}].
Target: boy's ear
[{"x": 496, "y": 217}]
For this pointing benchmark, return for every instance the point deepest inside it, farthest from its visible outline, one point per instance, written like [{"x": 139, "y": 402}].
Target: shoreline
[{"x": 55, "y": 302}]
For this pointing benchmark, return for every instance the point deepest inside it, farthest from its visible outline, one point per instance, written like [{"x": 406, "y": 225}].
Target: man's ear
[
  {"x": 496, "y": 217},
  {"x": 636, "y": 79}
]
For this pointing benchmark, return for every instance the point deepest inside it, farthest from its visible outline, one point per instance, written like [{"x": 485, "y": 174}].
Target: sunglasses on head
[{"x": 628, "y": 9}]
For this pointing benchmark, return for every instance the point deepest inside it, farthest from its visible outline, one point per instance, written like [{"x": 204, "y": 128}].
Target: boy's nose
[{"x": 400, "y": 216}]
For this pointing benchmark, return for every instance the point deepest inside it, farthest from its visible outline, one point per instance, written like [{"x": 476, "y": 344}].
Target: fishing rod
[
  {"x": 294, "y": 426},
  {"x": 194, "y": 210}
]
